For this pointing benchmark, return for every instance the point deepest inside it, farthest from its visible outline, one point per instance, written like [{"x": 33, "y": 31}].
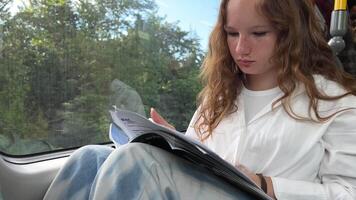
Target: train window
[
  {"x": 64, "y": 63},
  {"x": 348, "y": 55}
]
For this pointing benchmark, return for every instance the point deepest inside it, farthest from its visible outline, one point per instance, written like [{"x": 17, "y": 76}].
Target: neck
[{"x": 260, "y": 82}]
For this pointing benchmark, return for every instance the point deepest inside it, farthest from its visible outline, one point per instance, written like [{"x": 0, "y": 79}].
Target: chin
[{"x": 249, "y": 72}]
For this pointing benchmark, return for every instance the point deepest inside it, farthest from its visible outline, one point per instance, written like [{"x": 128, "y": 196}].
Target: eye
[
  {"x": 233, "y": 34},
  {"x": 260, "y": 33}
]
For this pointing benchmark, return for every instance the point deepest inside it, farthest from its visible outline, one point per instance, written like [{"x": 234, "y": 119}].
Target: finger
[
  {"x": 250, "y": 174},
  {"x": 157, "y": 118},
  {"x": 243, "y": 169}
]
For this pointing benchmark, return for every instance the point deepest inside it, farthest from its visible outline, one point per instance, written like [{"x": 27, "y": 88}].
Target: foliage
[{"x": 59, "y": 57}]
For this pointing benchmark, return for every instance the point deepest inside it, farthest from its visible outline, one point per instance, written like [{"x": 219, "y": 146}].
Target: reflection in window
[{"x": 63, "y": 61}]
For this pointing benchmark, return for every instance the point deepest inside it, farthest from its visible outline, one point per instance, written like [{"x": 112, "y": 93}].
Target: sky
[{"x": 198, "y": 16}]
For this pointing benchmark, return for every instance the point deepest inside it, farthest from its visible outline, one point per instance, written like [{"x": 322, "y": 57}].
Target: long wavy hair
[{"x": 301, "y": 52}]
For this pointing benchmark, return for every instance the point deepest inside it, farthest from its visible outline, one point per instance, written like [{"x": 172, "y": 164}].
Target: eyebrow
[
  {"x": 228, "y": 27},
  {"x": 253, "y": 27}
]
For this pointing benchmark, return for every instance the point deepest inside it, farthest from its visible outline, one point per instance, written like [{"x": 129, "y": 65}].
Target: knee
[
  {"x": 137, "y": 149},
  {"x": 134, "y": 153},
  {"x": 130, "y": 160},
  {"x": 93, "y": 150},
  {"x": 90, "y": 153}
]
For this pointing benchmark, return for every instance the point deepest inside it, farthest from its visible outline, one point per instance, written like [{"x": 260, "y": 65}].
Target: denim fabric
[
  {"x": 136, "y": 171},
  {"x": 76, "y": 177}
]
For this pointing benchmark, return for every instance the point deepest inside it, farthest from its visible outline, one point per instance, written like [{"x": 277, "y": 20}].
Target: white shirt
[
  {"x": 305, "y": 160},
  {"x": 254, "y": 101}
]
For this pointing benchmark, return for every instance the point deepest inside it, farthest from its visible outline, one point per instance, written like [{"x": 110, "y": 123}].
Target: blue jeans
[{"x": 135, "y": 171}]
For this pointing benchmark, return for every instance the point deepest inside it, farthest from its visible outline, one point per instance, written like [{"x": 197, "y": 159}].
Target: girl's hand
[
  {"x": 250, "y": 174},
  {"x": 255, "y": 178},
  {"x": 157, "y": 118}
]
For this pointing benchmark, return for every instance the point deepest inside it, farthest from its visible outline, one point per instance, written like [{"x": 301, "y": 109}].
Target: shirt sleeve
[{"x": 337, "y": 170}]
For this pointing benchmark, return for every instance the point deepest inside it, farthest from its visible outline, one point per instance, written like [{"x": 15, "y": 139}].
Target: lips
[{"x": 245, "y": 63}]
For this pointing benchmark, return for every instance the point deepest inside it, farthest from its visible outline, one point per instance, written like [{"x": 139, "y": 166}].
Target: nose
[{"x": 243, "y": 47}]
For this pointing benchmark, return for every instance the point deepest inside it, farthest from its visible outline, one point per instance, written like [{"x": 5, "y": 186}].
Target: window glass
[
  {"x": 64, "y": 63},
  {"x": 348, "y": 55}
]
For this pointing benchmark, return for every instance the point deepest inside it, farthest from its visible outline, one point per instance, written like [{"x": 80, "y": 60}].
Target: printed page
[
  {"x": 140, "y": 129},
  {"x": 135, "y": 125}
]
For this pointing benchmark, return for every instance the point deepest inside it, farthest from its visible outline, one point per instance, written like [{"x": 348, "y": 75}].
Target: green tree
[
  {"x": 165, "y": 61},
  {"x": 60, "y": 57}
]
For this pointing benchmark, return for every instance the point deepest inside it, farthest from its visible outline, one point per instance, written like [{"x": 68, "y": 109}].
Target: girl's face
[{"x": 251, "y": 40}]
